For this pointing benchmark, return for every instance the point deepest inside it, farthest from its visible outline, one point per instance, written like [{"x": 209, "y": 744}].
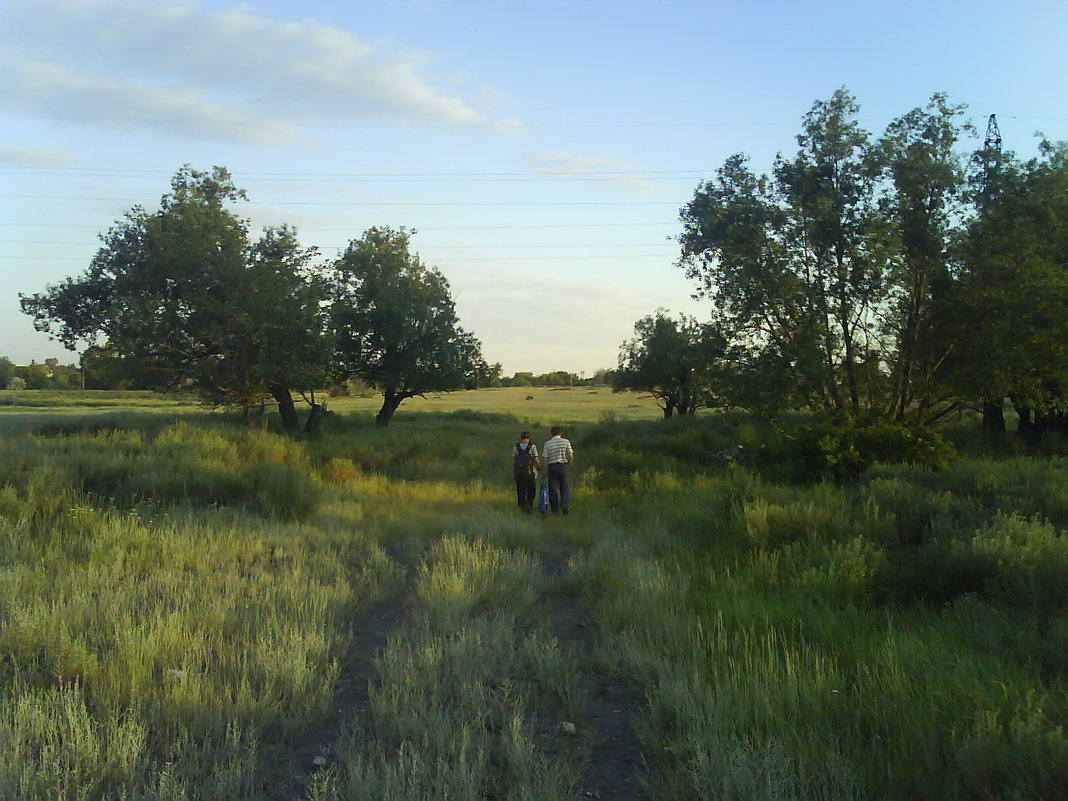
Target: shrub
[
  {"x": 1027, "y": 563},
  {"x": 842, "y": 453},
  {"x": 918, "y": 511}
]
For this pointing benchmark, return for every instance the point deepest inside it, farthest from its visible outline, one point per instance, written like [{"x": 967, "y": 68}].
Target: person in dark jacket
[{"x": 524, "y": 468}]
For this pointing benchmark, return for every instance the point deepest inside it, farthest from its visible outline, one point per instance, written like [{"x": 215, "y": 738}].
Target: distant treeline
[
  {"x": 101, "y": 369},
  {"x": 49, "y": 375}
]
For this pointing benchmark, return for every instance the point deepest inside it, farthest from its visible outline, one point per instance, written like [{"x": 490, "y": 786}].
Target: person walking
[
  {"x": 524, "y": 465},
  {"x": 556, "y": 456}
]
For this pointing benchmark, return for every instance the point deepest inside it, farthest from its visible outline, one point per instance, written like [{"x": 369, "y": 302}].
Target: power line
[
  {"x": 378, "y": 177},
  {"x": 420, "y": 229},
  {"x": 498, "y": 259},
  {"x": 431, "y": 247},
  {"x": 376, "y": 204}
]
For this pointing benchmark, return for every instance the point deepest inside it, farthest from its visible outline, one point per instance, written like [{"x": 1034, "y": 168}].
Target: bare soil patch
[
  {"x": 368, "y": 637},
  {"x": 614, "y": 767}
]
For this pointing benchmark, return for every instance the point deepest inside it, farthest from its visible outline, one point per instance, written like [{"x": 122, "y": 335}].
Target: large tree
[
  {"x": 1011, "y": 296},
  {"x": 795, "y": 262},
  {"x": 184, "y": 293},
  {"x": 675, "y": 361},
  {"x": 926, "y": 202},
  {"x": 835, "y": 271},
  {"x": 394, "y": 322}
]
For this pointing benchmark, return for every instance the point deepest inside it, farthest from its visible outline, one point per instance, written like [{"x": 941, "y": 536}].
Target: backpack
[{"x": 523, "y": 463}]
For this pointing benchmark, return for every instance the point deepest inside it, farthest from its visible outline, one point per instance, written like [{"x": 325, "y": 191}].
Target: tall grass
[
  {"x": 176, "y": 600},
  {"x": 157, "y": 605},
  {"x": 897, "y": 638},
  {"x": 455, "y": 711}
]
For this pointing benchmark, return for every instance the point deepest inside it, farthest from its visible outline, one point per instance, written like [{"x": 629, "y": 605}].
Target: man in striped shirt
[{"x": 556, "y": 455}]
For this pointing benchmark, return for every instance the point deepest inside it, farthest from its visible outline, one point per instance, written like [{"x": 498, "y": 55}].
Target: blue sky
[{"x": 541, "y": 150}]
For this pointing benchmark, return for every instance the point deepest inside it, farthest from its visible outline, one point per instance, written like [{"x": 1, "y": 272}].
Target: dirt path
[
  {"x": 369, "y": 636},
  {"x": 614, "y": 766},
  {"x": 605, "y": 743}
]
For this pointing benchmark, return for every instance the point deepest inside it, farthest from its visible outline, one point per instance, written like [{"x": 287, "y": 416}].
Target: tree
[
  {"x": 394, "y": 322},
  {"x": 834, "y": 238},
  {"x": 181, "y": 293},
  {"x": 834, "y": 272},
  {"x": 926, "y": 205},
  {"x": 794, "y": 263},
  {"x": 673, "y": 360},
  {"x": 7, "y": 371},
  {"x": 35, "y": 375},
  {"x": 1012, "y": 292},
  {"x": 103, "y": 368},
  {"x": 521, "y": 379}
]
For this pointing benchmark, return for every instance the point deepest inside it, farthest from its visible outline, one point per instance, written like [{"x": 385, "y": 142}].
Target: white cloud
[
  {"x": 228, "y": 74},
  {"x": 549, "y": 163},
  {"x": 32, "y": 157},
  {"x": 67, "y": 95},
  {"x": 617, "y": 174}
]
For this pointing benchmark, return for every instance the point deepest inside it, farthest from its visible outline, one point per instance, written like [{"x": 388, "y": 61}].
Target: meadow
[{"x": 193, "y": 610}]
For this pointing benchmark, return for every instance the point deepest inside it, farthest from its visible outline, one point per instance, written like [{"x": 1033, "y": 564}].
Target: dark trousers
[
  {"x": 559, "y": 495},
  {"x": 525, "y": 490}
]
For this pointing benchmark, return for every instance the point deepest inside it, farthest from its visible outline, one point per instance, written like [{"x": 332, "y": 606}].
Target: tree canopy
[
  {"x": 394, "y": 322},
  {"x": 1010, "y": 297},
  {"x": 859, "y": 271},
  {"x": 183, "y": 297},
  {"x": 675, "y": 361},
  {"x": 185, "y": 294}
]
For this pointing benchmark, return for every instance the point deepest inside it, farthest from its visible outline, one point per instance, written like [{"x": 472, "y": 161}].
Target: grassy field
[
  {"x": 190, "y": 610},
  {"x": 540, "y": 405}
]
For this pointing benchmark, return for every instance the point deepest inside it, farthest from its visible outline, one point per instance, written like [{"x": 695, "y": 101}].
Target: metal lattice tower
[
  {"x": 993, "y": 134},
  {"x": 989, "y": 158}
]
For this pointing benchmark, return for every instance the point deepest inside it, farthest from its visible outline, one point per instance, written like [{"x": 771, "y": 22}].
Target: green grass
[
  {"x": 544, "y": 406},
  {"x": 177, "y": 596},
  {"x": 90, "y": 398}
]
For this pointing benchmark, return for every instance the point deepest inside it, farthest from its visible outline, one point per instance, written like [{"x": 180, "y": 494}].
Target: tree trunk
[
  {"x": 1026, "y": 429},
  {"x": 1061, "y": 423},
  {"x": 993, "y": 418},
  {"x": 252, "y": 414},
  {"x": 287, "y": 410},
  {"x": 390, "y": 402},
  {"x": 669, "y": 408},
  {"x": 318, "y": 412}
]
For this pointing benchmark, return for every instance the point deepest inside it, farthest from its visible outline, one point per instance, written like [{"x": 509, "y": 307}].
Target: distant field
[
  {"x": 22, "y": 410},
  {"x": 536, "y": 407},
  {"x": 11, "y": 400},
  {"x": 545, "y": 405}
]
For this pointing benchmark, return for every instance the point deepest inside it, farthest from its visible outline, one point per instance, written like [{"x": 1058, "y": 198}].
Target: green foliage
[
  {"x": 926, "y": 170},
  {"x": 7, "y": 371},
  {"x": 794, "y": 263},
  {"x": 870, "y": 279},
  {"x": 673, "y": 361},
  {"x": 183, "y": 464},
  {"x": 844, "y": 452},
  {"x": 182, "y": 297},
  {"x": 395, "y": 324},
  {"x": 1009, "y": 300}
]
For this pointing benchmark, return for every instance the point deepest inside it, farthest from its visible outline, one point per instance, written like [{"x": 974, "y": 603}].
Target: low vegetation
[{"x": 180, "y": 600}]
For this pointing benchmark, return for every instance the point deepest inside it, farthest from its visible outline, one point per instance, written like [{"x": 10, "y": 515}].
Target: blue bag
[{"x": 543, "y": 495}]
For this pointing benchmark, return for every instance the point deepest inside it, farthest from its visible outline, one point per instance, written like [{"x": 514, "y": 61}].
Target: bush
[
  {"x": 1027, "y": 562},
  {"x": 184, "y": 464},
  {"x": 842, "y": 453}
]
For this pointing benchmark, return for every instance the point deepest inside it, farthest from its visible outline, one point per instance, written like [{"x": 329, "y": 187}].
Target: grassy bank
[{"x": 179, "y": 601}]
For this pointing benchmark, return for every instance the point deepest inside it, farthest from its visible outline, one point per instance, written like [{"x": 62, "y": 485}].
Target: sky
[{"x": 541, "y": 151}]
